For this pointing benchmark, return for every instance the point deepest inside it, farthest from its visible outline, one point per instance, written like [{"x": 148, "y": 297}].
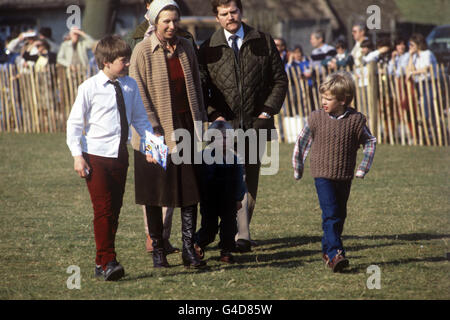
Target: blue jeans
[{"x": 333, "y": 196}]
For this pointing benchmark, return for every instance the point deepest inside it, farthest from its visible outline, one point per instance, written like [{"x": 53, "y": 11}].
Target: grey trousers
[{"x": 244, "y": 215}]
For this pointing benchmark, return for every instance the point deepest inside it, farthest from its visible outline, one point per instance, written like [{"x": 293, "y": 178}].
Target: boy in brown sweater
[{"x": 334, "y": 134}]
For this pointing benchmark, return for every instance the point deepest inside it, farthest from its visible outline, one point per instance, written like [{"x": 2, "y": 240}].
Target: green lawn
[{"x": 398, "y": 220}]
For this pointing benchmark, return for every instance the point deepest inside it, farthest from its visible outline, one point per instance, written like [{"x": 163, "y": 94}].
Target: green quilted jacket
[{"x": 241, "y": 90}]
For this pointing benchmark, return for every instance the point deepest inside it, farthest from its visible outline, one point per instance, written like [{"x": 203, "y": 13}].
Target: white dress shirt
[
  {"x": 239, "y": 33},
  {"x": 93, "y": 125},
  {"x": 421, "y": 60}
]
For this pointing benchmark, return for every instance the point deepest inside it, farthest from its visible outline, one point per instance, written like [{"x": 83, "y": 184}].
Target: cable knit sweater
[{"x": 335, "y": 144}]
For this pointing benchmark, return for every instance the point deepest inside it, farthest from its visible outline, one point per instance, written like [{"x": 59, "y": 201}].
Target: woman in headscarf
[{"x": 166, "y": 70}]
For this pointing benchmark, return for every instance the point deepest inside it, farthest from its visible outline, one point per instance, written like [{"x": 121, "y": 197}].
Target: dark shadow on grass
[
  {"x": 402, "y": 237},
  {"x": 259, "y": 258},
  {"x": 363, "y": 267}
]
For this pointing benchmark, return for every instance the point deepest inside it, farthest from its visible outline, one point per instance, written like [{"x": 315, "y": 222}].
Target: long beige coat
[{"x": 149, "y": 68}]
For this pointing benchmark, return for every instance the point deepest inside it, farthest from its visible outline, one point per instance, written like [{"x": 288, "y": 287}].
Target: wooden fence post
[{"x": 372, "y": 99}]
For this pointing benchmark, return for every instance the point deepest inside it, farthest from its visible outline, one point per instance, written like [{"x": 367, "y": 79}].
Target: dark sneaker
[
  {"x": 114, "y": 271},
  {"x": 98, "y": 272},
  {"x": 243, "y": 245},
  {"x": 227, "y": 257},
  {"x": 338, "y": 263}
]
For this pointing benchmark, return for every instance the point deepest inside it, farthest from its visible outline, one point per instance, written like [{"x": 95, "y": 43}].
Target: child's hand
[
  {"x": 238, "y": 205},
  {"x": 150, "y": 159},
  {"x": 359, "y": 174},
  {"x": 298, "y": 175},
  {"x": 81, "y": 167}
]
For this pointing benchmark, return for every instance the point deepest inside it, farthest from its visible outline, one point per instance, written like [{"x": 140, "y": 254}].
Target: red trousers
[{"x": 106, "y": 184}]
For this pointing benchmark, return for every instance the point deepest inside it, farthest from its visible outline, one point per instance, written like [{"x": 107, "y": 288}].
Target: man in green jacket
[{"x": 244, "y": 83}]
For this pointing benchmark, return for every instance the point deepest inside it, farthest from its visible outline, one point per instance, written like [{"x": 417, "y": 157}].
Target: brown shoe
[
  {"x": 338, "y": 263},
  {"x": 149, "y": 244},
  {"x": 226, "y": 257},
  {"x": 325, "y": 259},
  {"x": 199, "y": 251}
]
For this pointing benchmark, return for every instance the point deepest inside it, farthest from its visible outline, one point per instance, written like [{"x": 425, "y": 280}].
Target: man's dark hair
[
  {"x": 146, "y": 2},
  {"x": 401, "y": 40},
  {"x": 341, "y": 44},
  {"x": 367, "y": 44},
  {"x": 218, "y": 3},
  {"x": 419, "y": 40},
  {"x": 110, "y": 48},
  {"x": 45, "y": 44},
  {"x": 299, "y": 48},
  {"x": 46, "y": 32}
]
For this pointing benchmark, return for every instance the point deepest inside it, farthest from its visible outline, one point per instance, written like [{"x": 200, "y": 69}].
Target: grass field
[{"x": 398, "y": 220}]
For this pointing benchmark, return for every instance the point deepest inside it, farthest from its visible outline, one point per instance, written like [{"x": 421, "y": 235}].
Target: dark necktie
[
  {"x": 234, "y": 45},
  {"x": 122, "y": 112}
]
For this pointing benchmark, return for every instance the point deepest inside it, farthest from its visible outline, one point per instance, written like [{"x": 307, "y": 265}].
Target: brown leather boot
[{"x": 149, "y": 244}]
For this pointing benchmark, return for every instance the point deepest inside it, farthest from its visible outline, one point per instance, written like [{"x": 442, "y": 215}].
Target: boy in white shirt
[{"x": 97, "y": 136}]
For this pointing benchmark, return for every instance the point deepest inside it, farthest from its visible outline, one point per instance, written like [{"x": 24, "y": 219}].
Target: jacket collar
[
  {"x": 218, "y": 38},
  {"x": 155, "y": 43}
]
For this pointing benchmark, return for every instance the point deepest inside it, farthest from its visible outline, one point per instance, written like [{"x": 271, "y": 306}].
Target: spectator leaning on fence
[
  {"x": 334, "y": 134},
  {"x": 299, "y": 66},
  {"x": 298, "y": 59},
  {"x": 321, "y": 51},
  {"x": 399, "y": 58},
  {"x": 342, "y": 59},
  {"x": 359, "y": 35},
  {"x": 8, "y": 56},
  {"x": 421, "y": 60},
  {"x": 45, "y": 33},
  {"x": 45, "y": 56},
  {"x": 280, "y": 43},
  {"x": 370, "y": 55},
  {"x": 24, "y": 46},
  {"x": 75, "y": 50}
]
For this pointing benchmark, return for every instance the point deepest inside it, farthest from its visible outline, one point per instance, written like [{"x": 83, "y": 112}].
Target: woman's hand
[{"x": 150, "y": 159}]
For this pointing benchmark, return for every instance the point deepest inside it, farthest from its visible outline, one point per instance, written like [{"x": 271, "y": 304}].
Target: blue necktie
[{"x": 234, "y": 45}]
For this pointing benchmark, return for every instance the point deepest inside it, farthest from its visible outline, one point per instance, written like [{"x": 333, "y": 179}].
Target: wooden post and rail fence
[{"x": 399, "y": 110}]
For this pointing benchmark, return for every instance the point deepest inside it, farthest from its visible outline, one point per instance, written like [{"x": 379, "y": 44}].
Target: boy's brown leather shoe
[{"x": 338, "y": 263}]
